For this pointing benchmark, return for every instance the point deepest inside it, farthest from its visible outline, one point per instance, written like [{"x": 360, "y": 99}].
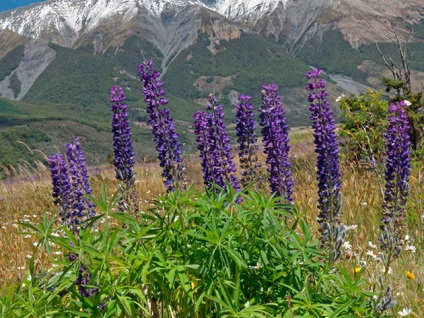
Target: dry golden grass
[{"x": 27, "y": 199}]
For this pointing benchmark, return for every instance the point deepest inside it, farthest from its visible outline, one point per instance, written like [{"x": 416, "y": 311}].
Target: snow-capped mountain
[
  {"x": 171, "y": 26},
  {"x": 73, "y": 17}
]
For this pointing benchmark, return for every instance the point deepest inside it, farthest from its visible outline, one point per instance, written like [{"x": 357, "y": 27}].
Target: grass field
[{"x": 28, "y": 198}]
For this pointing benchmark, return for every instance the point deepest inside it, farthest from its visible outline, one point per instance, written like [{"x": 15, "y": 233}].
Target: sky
[{"x": 12, "y": 4}]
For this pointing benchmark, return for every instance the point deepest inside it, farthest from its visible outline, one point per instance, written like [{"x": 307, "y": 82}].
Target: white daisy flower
[
  {"x": 405, "y": 312},
  {"x": 372, "y": 245},
  {"x": 411, "y": 248}
]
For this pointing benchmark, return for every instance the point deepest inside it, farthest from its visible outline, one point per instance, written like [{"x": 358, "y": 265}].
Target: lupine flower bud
[
  {"x": 163, "y": 128},
  {"x": 245, "y": 126},
  {"x": 327, "y": 149},
  {"x": 275, "y": 134}
]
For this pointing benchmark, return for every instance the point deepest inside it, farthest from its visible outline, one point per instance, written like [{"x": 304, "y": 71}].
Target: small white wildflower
[
  {"x": 411, "y": 248},
  {"x": 3, "y": 227},
  {"x": 407, "y": 102},
  {"x": 35, "y": 243},
  {"x": 20, "y": 268},
  {"x": 258, "y": 265},
  {"x": 370, "y": 253},
  {"x": 351, "y": 227},
  {"x": 372, "y": 245},
  {"x": 407, "y": 237},
  {"x": 340, "y": 97},
  {"x": 57, "y": 253},
  {"x": 27, "y": 236},
  {"x": 362, "y": 263},
  {"x": 364, "y": 203},
  {"x": 405, "y": 312},
  {"x": 389, "y": 271},
  {"x": 28, "y": 256},
  {"x": 347, "y": 245}
]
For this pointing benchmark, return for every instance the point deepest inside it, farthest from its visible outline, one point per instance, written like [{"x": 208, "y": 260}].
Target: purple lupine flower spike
[
  {"x": 246, "y": 126},
  {"x": 328, "y": 170},
  {"x": 62, "y": 192},
  {"x": 123, "y": 148},
  {"x": 122, "y": 142},
  {"x": 163, "y": 128},
  {"x": 82, "y": 207},
  {"x": 214, "y": 145},
  {"x": 225, "y": 166},
  {"x": 275, "y": 133},
  {"x": 208, "y": 154},
  {"x": 71, "y": 186},
  {"x": 398, "y": 168}
]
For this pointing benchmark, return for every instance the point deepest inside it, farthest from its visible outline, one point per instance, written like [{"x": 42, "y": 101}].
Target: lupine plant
[
  {"x": 328, "y": 170},
  {"x": 247, "y": 149},
  {"x": 398, "y": 169},
  {"x": 71, "y": 186},
  {"x": 215, "y": 148},
  {"x": 275, "y": 134},
  {"x": 123, "y": 148},
  {"x": 163, "y": 128}
]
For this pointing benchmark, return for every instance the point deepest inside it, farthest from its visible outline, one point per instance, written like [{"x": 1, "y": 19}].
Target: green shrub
[{"x": 192, "y": 255}]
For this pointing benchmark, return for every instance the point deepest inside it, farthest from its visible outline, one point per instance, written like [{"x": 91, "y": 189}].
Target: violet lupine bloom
[
  {"x": 214, "y": 145},
  {"x": 275, "y": 133},
  {"x": 62, "y": 192},
  {"x": 327, "y": 149},
  {"x": 206, "y": 145},
  {"x": 122, "y": 142},
  {"x": 82, "y": 207},
  {"x": 398, "y": 168},
  {"x": 163, "y": 128},
  {"x": 246, "y": 126}
]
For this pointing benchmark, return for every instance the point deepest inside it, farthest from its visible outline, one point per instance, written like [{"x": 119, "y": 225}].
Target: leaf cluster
[
  {"x": 363, "y": 122},
  {"x": 192, "y": 255}
]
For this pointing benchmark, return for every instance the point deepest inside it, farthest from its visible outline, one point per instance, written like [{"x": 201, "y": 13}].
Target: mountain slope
[{"x": 59, "y": 58}]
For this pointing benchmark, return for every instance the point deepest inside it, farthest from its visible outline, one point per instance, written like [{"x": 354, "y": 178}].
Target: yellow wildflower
[
  {"x": 410, "y": 275},
  {"x": 357, "y": 269}
]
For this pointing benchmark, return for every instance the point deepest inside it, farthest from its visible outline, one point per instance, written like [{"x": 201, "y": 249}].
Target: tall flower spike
[
  {"x": 398, "y": 168},
  {"x": 62, "y": 192},
  {"x": 82, "y": 207},
  {"x": 205, "y": 143},
  {"x": 276, "y": 142},
  {"x": 214, "y": 146},
  {"x": 163, "y": 128},
  {"x": 246, "y": 126},
  {"x": 123, "y": 148},
  {"x": 328, "y": 169}
]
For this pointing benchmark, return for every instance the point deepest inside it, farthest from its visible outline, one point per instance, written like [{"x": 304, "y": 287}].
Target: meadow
[{"x": 160, "y": 249}]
